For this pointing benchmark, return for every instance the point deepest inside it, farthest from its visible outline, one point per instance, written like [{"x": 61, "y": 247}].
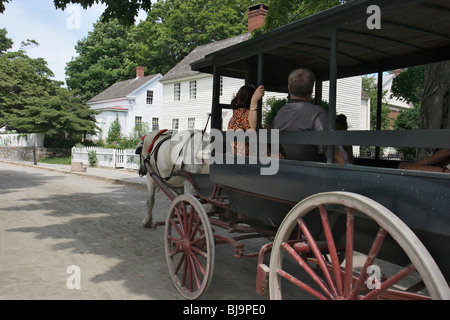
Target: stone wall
[{"x": 26, "y": 153}]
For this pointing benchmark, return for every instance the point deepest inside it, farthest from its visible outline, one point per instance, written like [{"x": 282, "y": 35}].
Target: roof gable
[
  {"x": 122, "y": 89},
  {"x": 183, "y": 68}
]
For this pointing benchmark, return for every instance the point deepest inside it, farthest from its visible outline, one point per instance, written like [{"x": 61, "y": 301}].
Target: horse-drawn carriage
[{"x": 333, "y": 226}]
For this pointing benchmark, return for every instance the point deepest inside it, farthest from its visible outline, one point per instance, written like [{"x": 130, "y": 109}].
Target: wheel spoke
[
  {"x": 312, "y": 243},
  {"x": 199, "y": 263},
  {"x": 195, "y": 229},
  {"x": 189, "y": 268},
  {"x": 390, "y": 282},
  {"x": 200, "y": 252},
  {"x": 173, "y": 238},
  {"x": 183, "y": 261},
  {"x": 179, "y": 264},
  {"x": 193, "y": 242},
  {"x": 307, "y": 268},
  {"x": 180, "y": 220},
  {"x": 332, "y": 249},
  {"x": 300, "y": 284},
  {"x": 180, "y": 233},
  {"x": 349, "y": 253},
  {"x": 185, "y": 216},
  {"x": 376, "y": 246},
  {"x": 194, "y": 272},
  {"x": 191, "y": 220}
]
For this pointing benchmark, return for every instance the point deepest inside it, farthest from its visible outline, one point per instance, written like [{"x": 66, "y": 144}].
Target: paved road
[{"x": 50, "y": 221}]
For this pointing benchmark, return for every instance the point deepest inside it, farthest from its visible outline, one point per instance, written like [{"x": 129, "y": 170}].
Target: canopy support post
[
  {"x": 333, "y": 91},
  {"x": 260, "y": 81},
  {"x": 379, "y": 107},
  {"x": 216, "y": 112}
]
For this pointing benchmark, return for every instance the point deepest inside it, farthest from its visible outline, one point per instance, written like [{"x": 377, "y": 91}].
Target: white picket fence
[
  {"x": 22, "y": 140},
  {"x": 110, "y": 158}
]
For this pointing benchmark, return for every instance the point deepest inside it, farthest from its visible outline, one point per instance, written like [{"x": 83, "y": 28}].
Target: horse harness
[{"x": 153, "y": 149}]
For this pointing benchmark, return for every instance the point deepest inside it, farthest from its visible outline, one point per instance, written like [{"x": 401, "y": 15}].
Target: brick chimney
[
  {"x": 256, "y": 16},
  {"x": 140, "y": 72},
  {"x": 397, "y": 72}
]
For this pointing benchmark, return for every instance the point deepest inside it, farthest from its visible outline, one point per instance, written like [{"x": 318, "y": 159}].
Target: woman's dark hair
[
  {"x": 342, "y": 120},
  {"x": 243, "y": 97}
]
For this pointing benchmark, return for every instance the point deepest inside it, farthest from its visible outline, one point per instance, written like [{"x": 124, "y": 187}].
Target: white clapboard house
[
  {"x": 133, "y": 102},
  {"x": 187, "y": 94}
]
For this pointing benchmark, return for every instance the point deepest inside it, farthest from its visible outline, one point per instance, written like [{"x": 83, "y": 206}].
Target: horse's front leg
[{"x": 151, "y": 186}]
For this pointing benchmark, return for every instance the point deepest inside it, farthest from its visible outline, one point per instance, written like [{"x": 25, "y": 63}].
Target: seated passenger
[
  {"x": 343, "y": 154},
  {"x": 299, "y": 115},
  {"x": 437, "y": 162},
  {"x": 245, "y": 114}
]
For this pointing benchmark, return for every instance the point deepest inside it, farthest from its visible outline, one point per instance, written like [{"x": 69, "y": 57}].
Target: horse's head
[{"x": 139, "y": 148}]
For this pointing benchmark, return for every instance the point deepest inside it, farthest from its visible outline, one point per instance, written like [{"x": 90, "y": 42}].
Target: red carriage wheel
[
  {"x": 189, "y": 246},
  {"x": 317, "y": 269}
]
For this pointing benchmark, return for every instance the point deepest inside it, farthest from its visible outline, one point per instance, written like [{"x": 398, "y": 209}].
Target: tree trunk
[{"x": 435, "y": 102}]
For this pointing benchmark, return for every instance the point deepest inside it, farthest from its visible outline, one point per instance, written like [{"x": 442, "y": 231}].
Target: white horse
[{"x": 172, "y": 153}]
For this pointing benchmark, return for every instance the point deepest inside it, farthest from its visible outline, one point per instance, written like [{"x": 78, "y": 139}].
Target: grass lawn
[{"x": 65, "y": 160}]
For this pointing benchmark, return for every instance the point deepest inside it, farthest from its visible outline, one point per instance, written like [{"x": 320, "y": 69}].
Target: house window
[
  {"x": 149, "y": 97},
  {"x": 221, "y": 86},
  {"x": 175, "y": 123},
  {"x": 193, "y": 90},
  {"x": 191, "y": 123},
  {"x": 176, "y": 91},
  {"x": 137, "y": 123},
  {"x": 155, "y": 124}
]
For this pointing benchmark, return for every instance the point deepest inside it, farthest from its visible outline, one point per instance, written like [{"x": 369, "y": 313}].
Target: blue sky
[{"x": 56, "y": 31}]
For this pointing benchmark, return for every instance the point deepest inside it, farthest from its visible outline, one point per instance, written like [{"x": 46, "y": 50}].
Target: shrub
[
  {"x": 114, "y": 131},
  {"x": 92, "y": 155}
]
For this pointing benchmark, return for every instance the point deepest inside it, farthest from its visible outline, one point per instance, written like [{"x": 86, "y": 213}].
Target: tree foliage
[
  {"x": 31, "y": 102},
  {"x": 282, "y": 12},
  {"x": 369, "y": 85},
  {"x": 100, "y": 61},
  {"x": 408, "y": 85},
  {"x": 5, "y": 42},
  {"x": 114, "y": 131},
  {"x": 173, "y": 28}
]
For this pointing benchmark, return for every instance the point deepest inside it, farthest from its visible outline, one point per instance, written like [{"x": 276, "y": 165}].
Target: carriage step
[{"x": 262, "y": 279}]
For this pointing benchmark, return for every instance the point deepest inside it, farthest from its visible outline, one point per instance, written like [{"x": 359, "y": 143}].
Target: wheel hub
[{"x": 183, "y": 245}]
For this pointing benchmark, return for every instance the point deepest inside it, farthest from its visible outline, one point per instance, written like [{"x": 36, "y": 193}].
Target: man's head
[{"x": 301, "y": 83}]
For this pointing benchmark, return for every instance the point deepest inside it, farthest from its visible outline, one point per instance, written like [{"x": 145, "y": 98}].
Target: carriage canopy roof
[{"x": 412, "y": 33}]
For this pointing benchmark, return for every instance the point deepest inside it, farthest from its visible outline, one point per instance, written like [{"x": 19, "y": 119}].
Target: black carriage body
[{"x": 421, "y": 200}]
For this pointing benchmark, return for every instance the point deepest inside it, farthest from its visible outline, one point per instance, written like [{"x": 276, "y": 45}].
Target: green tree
[
  {"x": 114, "y": 132},
  {"x": 31, "y": 102},
  {"x": 5, "y": 42},
  {"x": 57, "y": 113},
  {"x": 175, "y": 27},
  {"x": 408, "y": 120},
  {"x": 369, "y": 85},
  {"x": 23, "y": 83},
  {"x": 408, "y": 85},
  {"x": 282, "y": 12},
  {"x": 100, "y": 61}
]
